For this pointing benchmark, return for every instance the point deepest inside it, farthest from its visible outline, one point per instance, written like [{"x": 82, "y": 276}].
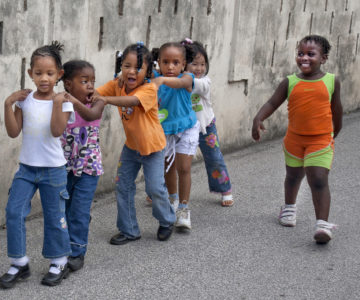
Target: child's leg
[
  {"x": 52, "y": 187},
  {"x": 218, "y": 178},
  {"x": 183, "y": 167},
  {"x": 18, "y": 207},
  {"x": 171, "y": 179},
  {"x": 153, "y": 166},
  {"x": 81, "y": 191},
  {"x": 318, "y": 181},
  {"x": 294, "y": 176},
  {"x": 129, "y": 166}
]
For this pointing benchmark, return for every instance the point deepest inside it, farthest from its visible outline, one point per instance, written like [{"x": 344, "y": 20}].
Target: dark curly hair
[
  {"x": 52, "y": 50},
  {"x": 319, "y": 40}
]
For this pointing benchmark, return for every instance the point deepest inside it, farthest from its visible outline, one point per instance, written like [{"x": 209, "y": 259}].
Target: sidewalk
[{"x": 231, "y": 253}]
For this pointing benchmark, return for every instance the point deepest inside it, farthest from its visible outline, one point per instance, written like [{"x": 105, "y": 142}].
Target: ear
[
  {"x": 67, "y": 84},
  {"x": 30, "y": 73},
  {"x": 324, "y": 58},
  {"x": 60, "y": 74}
]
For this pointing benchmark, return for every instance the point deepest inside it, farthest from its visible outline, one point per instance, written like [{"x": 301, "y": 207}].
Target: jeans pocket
[
  {"x": 64, "y": 195},
  {"x": 57, "y": 176}
]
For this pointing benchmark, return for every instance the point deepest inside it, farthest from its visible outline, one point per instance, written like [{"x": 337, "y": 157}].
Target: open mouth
[
  {"x": 131, "y": 80},
  {"x": 88, "y": 97}
]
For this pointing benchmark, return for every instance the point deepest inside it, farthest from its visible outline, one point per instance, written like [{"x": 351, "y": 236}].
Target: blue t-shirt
[{"x": 175, "y": 108}]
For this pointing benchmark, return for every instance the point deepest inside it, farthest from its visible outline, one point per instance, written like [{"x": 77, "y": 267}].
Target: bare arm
[
  {"x": 13, "y": 118},
  {"x": 59, "y": 118},
  {"x": 88, "y": 113},
  {"x": 336, "y": 109},
  {"x": 268, "y": 108},
  {"x": 122, "y": 100},
  {"x": 174, "y": 82}
]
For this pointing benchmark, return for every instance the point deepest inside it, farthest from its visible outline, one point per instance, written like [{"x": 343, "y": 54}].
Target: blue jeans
[
  {"x": 81, "y": 191},
  {"x": 218, "y": 176},
  {"x": 51, "y": 183},
  {"x": 153, "y": 166}
]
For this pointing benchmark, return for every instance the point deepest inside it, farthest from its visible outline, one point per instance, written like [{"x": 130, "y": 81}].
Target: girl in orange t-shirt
[
  {"x": 315, "y": 119},
  {"x": 144, "y": 146}
]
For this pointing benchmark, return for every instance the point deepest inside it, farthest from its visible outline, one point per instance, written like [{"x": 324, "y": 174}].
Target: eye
[{"x": 84, "y": 82}]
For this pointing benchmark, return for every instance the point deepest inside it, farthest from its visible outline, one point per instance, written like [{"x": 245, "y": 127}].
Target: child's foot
[
  {"x": 9, "y": 279},
  {"x": 183, "y": 218},
  {"x": 227, "y": 200},
  {"x": 164, "y": 233},
  {"x": 323, "y": 231},
  {"x": 287, "y": 215},
  {"x": 55, "y": 275},
  {"x": 75, "y": 262},
  {"x": 174, "y": 203}
]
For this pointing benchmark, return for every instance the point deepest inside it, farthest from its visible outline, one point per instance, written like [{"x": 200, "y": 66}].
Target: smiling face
[
  {"x": 309, "y": 58},
  {"x": 131, "y": 76},
  {"x": 171, "y": 61},
  {"x": 197, "y": 66},
  {"x": 81, "y": 86},
  {"x": 45, "y": 75}
]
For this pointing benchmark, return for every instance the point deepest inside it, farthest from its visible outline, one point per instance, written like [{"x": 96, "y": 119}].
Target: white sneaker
[
  {"x": 183, "y": 218},
  {"x": 323, "y": 231},
  {"x": 287, "y": 216},
  {"x": 174, "y": 203}
]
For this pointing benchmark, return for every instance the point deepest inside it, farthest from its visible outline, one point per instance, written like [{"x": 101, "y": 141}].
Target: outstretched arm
[
  {"x": 174, "y": 82},
  {"x": 268, "y": 108},
  {"x": 13, "y": 119},
  {"x": 336, "y": 108},
  {"x": 59, "y": 118},
  {"x": 88, "y": 113},
  {"x": 120, "y": 100}
]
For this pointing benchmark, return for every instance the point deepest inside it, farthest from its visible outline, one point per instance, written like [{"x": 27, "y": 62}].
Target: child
[
  {"x": 144, "y": 145},
  {"x": 180, "y": 125},
  {"x": 218, "y": 178},
  {"x": 315, "y": 118},
  {"x": 42, "y": 117},
  {"x": 80, "y": 143}
]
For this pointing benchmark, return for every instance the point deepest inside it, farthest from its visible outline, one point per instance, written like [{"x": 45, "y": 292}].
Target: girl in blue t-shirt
[{"x": 180, "y": 125}]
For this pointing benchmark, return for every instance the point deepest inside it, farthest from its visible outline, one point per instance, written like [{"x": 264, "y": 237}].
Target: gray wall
[{"x": 251, "y": 46}]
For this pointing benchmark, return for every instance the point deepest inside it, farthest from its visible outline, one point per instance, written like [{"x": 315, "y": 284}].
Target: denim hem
[{"x": 57, "y": 256}]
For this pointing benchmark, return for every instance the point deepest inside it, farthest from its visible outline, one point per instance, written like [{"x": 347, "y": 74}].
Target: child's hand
[
  {"x": 120, "y": 81},
  {"x": 17, "y": 96},
  {"x": 96, "y": 98},
  {"x": 256, "y": 128},
  {"x": 63, "y": 97}
]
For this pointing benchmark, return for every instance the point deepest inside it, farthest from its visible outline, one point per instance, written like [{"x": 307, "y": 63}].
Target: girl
[
  {"x": 179, "y": 123},
  {"x": 315, "y": 118},
  {"x": 218, "y": 178},
  {"x": 42, "y": 117},
  {"x": 80, "y": 143},
  {"x": 144, "y": 145}
]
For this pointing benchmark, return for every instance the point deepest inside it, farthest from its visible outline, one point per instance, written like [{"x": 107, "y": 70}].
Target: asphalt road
[{"x": 231, "y": 253}]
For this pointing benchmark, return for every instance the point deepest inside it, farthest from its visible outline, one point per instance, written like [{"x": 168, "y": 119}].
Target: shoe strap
[
  {"x": 17, "y": 267},
  {"x": 60, "y": 267}
]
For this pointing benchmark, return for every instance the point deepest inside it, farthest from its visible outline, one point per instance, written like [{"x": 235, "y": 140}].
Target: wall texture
[{"x": 251, "y": 46}]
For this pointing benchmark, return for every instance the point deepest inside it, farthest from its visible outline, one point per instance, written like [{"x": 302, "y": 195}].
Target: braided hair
[{"x": 52, "y": 50}]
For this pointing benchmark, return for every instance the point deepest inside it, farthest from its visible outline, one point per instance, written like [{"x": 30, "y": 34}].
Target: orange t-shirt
[
  {"x": 143, "y": 130},
  {"x": 309, "y": 105}
]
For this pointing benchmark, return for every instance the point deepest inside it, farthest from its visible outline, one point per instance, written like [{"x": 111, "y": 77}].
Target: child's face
[
  {"x": 81, "y": 86},
  {"x": 131, "y": 76},
  {"x": 45, "y": 75},
  {"x": 171, "y": 62},
  {"x": 197, "y": 66},
  {"x": 309, "y": 58}
]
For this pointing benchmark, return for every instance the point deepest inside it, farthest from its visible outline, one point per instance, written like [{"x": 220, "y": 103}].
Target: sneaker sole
[
  {"x": 287, "y": 224},
  {"x": 183, "y": 226},
  {"x": 322, "y": 237}
]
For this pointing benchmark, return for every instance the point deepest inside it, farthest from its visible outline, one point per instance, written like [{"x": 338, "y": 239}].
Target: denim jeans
[
  {"x": 51, "y": 183},
  {"x": 81, "y": 191},
  {"x": 128, "y": 169},
  {"x": 218, "y": 176}
]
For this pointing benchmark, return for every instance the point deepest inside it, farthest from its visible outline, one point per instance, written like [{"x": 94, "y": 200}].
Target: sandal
[{"x": 227, "y": 200}]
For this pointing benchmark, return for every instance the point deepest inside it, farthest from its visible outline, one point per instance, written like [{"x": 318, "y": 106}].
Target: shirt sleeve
[
  {"x": 108, "y": 89},
  {"x": 202, "y": 86},
  {"x": 69, "y": 107},
  {"x": 19, "y": 104},
  {"x": 147, "y": 96}
]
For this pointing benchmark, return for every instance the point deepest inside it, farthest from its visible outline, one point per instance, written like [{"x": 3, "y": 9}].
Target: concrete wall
[{"x": 251, "y": 46}]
